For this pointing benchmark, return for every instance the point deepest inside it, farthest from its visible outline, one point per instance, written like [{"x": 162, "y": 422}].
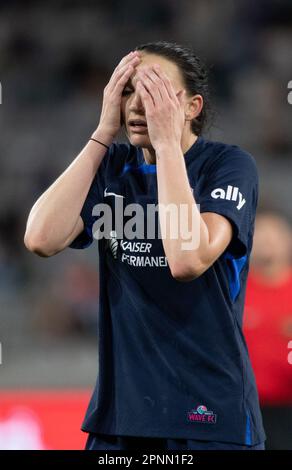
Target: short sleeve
[
  {"x": 94, "y": 196},
  {"x": 231, "y": 190}
]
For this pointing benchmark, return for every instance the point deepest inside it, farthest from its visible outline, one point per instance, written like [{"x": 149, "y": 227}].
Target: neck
[{"x": 186, "y": 143}]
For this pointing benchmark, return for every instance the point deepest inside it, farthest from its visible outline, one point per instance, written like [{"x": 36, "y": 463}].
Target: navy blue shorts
[{"x": 107, "y": 442}]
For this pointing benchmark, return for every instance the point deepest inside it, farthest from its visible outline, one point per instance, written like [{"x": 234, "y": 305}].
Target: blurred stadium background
[{"x": 55, "y": 59}]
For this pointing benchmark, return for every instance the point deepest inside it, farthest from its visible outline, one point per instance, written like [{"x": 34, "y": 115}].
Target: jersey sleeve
[
  {"x": 231, "y": 190},
  {"x": 94, "y": 196}
]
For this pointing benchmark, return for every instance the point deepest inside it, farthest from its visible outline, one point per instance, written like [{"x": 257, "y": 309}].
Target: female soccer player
[{"x": 174, "y": 371}]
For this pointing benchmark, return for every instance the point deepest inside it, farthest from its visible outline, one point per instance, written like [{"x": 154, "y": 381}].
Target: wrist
[
  {"x": 103, "y": 136},
  {"x": 168, "y": 148}
]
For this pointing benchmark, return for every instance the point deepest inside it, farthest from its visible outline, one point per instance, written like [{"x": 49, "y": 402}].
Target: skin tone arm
[
  {"x": 166, "y": 119},
  {"x": 54, "y": 220}
]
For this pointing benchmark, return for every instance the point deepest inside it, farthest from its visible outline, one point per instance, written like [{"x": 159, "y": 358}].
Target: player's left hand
[{"x": 164, "y": 108}]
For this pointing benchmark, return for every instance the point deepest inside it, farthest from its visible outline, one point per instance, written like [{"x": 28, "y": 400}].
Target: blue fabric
[
  {"x": 234, "y": 266},
  {"x": 248, "y": 439},
  {"x": 172, "y": 357},
  {"x": 143, "y": 168}
]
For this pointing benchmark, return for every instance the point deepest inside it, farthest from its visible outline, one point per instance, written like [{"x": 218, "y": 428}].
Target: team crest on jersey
[{"x": 201, "y": 414}]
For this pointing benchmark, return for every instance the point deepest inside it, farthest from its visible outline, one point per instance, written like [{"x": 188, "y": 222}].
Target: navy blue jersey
[{"x": 173, "y": 361}]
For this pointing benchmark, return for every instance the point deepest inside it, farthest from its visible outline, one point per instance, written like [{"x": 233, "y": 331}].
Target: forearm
[
  {"x": 174, "y": 188},
  {"x": 54, "y": 215}
]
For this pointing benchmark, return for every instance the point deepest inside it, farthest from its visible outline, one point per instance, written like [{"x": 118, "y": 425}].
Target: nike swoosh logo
[{"x": 111, "y": 194}]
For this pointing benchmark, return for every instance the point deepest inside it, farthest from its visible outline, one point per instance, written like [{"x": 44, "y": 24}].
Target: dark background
[{"x": 55, "y": 59}]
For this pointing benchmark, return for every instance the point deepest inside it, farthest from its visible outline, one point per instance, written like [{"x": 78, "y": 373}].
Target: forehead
[{"x": 167, "y": 66}]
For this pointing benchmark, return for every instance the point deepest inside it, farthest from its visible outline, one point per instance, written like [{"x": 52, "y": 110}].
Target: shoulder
[{"x": 229, "y": 157}]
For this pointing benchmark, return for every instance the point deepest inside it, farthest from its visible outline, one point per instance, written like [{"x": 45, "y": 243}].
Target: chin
[{"x": 141, "y": 140}]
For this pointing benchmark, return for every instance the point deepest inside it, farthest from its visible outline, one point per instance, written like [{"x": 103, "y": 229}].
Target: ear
[{"x": 195, "y": 107}]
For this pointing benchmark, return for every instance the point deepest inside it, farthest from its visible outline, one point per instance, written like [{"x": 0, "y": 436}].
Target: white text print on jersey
[{"x": 232, "y": 193}]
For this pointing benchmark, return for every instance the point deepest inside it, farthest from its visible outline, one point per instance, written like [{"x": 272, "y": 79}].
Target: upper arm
[
  {"x": 230, "y": 190},
  {"x": 220, "y": 234},
  {"x": 83, "y": 235},
  {"x": 79, "y": 227},
  {"x": 228, "y": 200}
]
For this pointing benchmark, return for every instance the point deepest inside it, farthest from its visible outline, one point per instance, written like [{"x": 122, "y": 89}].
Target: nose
[{"x": 136, "y": 103}]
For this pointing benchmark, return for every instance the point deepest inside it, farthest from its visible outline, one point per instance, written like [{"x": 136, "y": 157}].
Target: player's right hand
[{"x": 110, "y": 118}]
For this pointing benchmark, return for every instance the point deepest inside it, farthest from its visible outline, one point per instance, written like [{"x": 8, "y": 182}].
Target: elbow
[
  {"x": 35, "y": 244},
  {"x": 186, "y": 273}
]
